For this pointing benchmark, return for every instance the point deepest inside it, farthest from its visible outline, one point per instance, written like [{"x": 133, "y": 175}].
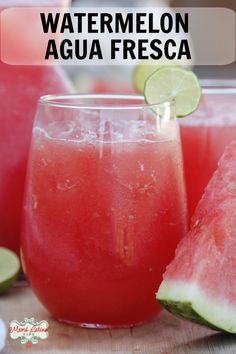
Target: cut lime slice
[
  {"x": 9, "y": 268},
  {"x": 146, "y": 68},
  {"x": 176, "y": 83}
]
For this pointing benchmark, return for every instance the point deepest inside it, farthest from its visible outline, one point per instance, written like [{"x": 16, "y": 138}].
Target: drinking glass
[
  {"x": 21, "y": 87},
  {"x": 104, "y": 207},
  {"x": 205, "y": 134}
]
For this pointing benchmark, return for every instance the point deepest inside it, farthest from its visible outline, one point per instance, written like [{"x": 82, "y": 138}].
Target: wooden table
[{"x": 165, "y": 335}]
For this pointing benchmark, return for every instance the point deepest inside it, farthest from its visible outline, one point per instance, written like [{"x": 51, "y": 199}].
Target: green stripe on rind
[
  {"x": 186, "y": 311},
  {"x": 189, "y": 301}
]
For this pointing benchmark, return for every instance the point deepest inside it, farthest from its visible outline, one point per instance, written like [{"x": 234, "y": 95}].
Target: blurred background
[
  {"x": 102, "y": 78},
  {"x": 227, "y": 71}
]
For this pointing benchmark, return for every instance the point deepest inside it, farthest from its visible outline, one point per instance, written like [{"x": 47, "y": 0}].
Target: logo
[{"x": 29, "y": 331}]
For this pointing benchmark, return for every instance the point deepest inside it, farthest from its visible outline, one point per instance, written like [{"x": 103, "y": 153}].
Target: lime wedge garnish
[
  {"x": 176, "y": 83},
  {"x": 9, "y": 268},
  {"x": 145, "y": 68}
]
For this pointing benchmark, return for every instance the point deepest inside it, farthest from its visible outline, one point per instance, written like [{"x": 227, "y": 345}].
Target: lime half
[
  {"x": 9, "y": 268},
  {"x": 176, "y": 83}
]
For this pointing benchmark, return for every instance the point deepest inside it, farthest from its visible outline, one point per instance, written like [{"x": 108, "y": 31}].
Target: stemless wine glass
[
  {"x": 104, "y": 207},
  {"x": 21, "y": 86},
  {"x": 206, "y": 133}
]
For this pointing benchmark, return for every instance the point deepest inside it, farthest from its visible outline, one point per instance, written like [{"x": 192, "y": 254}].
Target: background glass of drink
[
  {"x": 104, "y": 207},
  {"x": 205, "y": 135},
  {"x": 20, "y": 89}
]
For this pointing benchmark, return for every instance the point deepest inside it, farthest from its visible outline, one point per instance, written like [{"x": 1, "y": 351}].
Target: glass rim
[
  {"x": 59, "y": 100},
  {"x": 218, "y": 86}
]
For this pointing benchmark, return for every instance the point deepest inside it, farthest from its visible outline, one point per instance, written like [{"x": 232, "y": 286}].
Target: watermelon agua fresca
[{"x": 200, "y": 283}]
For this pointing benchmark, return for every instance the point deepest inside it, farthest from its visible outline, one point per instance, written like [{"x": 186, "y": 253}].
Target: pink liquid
[
  {"x": 20, "y": 89},
  {"x": 107, "y": 218},
  {"x": 204, "y": 138}
]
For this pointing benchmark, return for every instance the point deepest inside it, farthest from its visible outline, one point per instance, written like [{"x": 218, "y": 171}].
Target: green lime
[
  {"x": 146, "y": 68},
  {"x": 9, "y": 268},
  {"x": 176, "y": 83}
]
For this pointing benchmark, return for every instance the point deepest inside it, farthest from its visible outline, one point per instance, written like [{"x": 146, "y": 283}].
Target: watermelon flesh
[{"x": 200, "y": 283}]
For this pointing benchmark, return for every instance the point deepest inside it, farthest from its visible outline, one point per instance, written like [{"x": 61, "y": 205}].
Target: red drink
[
  {"x": 105, "y": 206},
  {"x": 204, "y": 138},
  {"x": 20, "y": 88}
]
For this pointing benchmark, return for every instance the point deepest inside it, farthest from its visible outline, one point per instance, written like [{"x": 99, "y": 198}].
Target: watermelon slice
[{"x": 200, "y": 283}]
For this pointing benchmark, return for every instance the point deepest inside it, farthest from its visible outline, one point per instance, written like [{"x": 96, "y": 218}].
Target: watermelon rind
[{"x": 188, "y": 300}]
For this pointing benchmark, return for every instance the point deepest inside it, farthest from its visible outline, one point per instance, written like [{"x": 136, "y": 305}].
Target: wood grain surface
[{"x": 165, "y": 335}]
